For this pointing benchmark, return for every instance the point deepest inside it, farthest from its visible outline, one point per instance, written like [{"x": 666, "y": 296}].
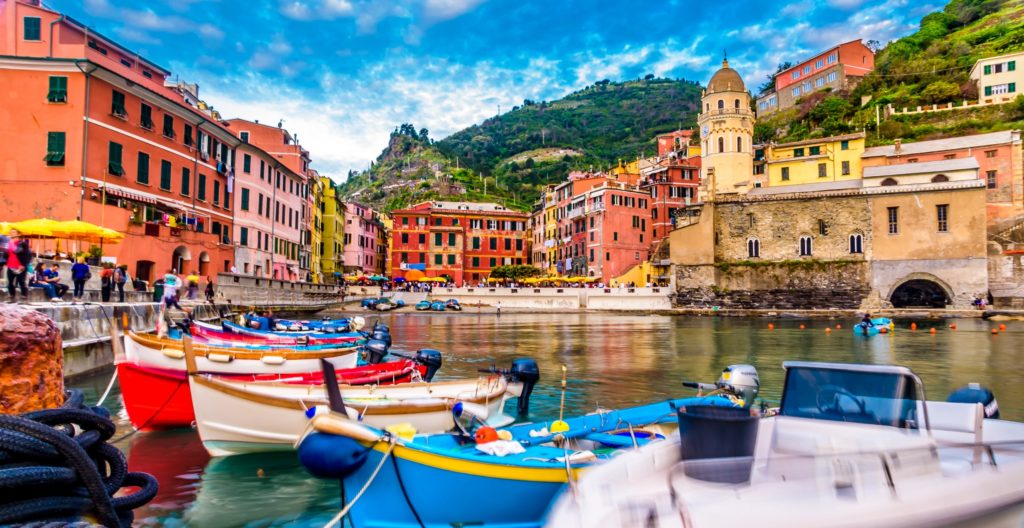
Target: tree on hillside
[{"x": 769, "y": 84}]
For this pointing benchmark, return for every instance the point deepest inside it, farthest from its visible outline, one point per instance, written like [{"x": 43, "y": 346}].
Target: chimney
[{"x": 898, "y": 144}]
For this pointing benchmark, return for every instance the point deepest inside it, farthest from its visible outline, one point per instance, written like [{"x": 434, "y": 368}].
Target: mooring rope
[{"x": 344, "y": 511}]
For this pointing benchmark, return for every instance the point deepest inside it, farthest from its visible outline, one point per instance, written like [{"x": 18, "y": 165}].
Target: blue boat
[
  {"x": 343, "y": 324},
  {"x": 879, "y": 325},
  {"x": 514, "y": 490},
  {"x": 437, "y": 306},
  {"x": 423, "y": 305},
  {"x": 237, "y": 328},
  {"x": 453, "y": 304}
]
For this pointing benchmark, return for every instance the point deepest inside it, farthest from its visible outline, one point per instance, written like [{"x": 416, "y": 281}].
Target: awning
[{"x": 128, "y": 195}]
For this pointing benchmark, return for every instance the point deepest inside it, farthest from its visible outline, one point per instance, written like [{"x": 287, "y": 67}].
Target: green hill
[{"x": 930, "y": 66}]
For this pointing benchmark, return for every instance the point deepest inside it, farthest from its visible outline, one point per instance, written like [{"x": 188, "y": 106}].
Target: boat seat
[{"x": 955, "y": 423}]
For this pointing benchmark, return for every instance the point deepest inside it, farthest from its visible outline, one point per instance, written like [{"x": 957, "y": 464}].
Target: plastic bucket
[{"x": 727, "y": 434}]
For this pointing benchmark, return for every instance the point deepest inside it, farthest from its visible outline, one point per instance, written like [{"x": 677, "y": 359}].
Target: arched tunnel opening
[{"x": 919, "y": 293}]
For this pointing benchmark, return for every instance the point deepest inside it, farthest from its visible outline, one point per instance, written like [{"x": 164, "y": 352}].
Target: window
[
  {"x": 822, "y": 228},
  {"x": 438, "y": 259},
  {"x": 1011, "y": 66},
  {"x": 737, "y": 104},
  {"x": 476, "y": 262},
  {"x": 949, "y": 156},
  {"x": 146, "y": 116},
  {"x": 822, "y": 170},
  {"x": 245, "y": 199},
  {"x": 451, "y": 259},
  {"x": 815, "y": 151},
  {"x": 216, "y": 193},
  {"x": 805, "y": 246},
  {"x": 188, "y": 135},
  {"x": 721, "y": 104},
  {"x": 55, "y": 142},
  {"x": 939, "y": 178},
  {"x": 820, "y": 63},
  {"x": 990, "y": 179},
  {"x": 201, "y": 193},
  {"x": 114, "y": 166},
  {"x": 31, "y": 26},
  {"x": 405, "y": 238},
  {"x": 244, "y": 136},
  {"x": 832, "y": 58},
  {"x": 243, "y": 236},
  {"x": 493, "y": 243},
  {"x": 888, "y": 182},
  {"x": 988, "y": 69},
  {"x": 508, "y": 244},
  {"x": 844, "y": 145},
  {"x": 796, "y": 92},
  {"x": 493, "y": 262},
  {"x": 437, "y": 239},
  {"x": 117, "y": 105},
  {"x": 451, "y": 239},
  {"x": 798, "y": 153},
  {"x": 796, "y": 74},
  {"x": 856, "y": 243},
  {"x": 819, "y": 82},
  {"x": 753, "y": 248},
  {"x": 186, "y": 186},
  {"x": 846, "y": 168},
  {"x": 894, "y": 219},
  {"x": 807, "y": 69},
  {"x": 608, "y": 255},
  {"x": 785, "y": 174},
  {"x": 739, "y": 144},
  {"x": 58, "y": 90},
  {"x": 476, "y": 242},
  {"x": 942, "y": 216},
  {"x": 721, "y": 145},
  {"x": 169, "y": 126},
  {"x": 988, "y": 153},
  {"x": 422, "y": 239},
  {"x": 831, "y": 77},
  {"x": 165, "y": 175}
]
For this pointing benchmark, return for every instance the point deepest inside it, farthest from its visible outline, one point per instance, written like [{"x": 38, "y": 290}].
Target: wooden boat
[
  {"x": 218, "y": 335},
  {"x": 232, "y": 327},
  {"x": 423, "y": 305},
  {"x": 512, "y": 489},
  {"x": 852, "y": 445},
  {"x": 879, "y": 325},
  {"x": 236, "y": 417},
  {"x": 158, "y": 398},
  {"x": 437, "y": 306}
]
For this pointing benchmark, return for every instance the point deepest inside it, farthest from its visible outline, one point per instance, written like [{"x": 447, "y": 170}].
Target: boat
[
  {"x": 353, "y": 324},
  {"x": 453, "y": 304},
  {"x": 437, "y": 306},
  {"x": 852, "y": 445},
  {"x": 384, "y": 306},
  {"x": 160, "y": 398},
  {"x": 879, "y": 325},
  {"x": 324, "y": 333},
  {"x": 214, "y": 335},
  {"x": 235, "y": 417},
  {"x": 423, "y": 305},
  {"x": 502, "y": 483}
]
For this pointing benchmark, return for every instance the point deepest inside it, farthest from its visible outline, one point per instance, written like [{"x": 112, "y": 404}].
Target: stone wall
[{"x": 799, "y": 285}]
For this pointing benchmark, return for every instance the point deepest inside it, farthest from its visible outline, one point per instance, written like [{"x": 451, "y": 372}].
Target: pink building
[
  {"x": 270, "y": 202},
  {"x": 363, "y": 235},
  {"x": 618, "y": 229}
]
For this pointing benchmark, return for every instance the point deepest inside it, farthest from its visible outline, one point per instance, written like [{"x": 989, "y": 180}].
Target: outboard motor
[
  {"x": 431, "y": 359},
  {"x": 375, "y": 351},
  {"x": 742, "y": 380},
  {"x": 525, "y": 371},
  {"x": 381, "y": 335},
  {"x": 976, "y": 393}
]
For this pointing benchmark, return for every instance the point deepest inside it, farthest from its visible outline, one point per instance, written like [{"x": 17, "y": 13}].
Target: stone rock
[{"x": 31, "y": 361}]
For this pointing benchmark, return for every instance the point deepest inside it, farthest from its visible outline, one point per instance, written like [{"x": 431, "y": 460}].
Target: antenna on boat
[
  {"x": 334, "y": 399},
  {"x": 559, "y": 426}
]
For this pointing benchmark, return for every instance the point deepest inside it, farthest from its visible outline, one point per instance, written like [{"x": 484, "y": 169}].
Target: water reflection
[{"x": 613, "y": 360}]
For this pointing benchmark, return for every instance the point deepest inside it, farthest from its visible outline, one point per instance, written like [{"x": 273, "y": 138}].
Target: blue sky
[{"x": 343, "y": 73}]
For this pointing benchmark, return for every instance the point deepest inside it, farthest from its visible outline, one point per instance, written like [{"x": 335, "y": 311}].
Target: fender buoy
[
  {"x": 485, "y": 435},
  {"x": 771, "y": 326}
]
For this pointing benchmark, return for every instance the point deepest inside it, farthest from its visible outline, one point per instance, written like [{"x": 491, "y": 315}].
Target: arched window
[
  {"x": 721, "y": 104},
  {"x": 939, "y": 178},
  {"x": 721, "y": 145},
  {"x": 707, "y": 107},
  {"x": 856, "y": 243},
  {"x": 737, "y": 104},
  {"x": 753, "y": 248},
  {"x": 805, "y": 246},
  {"x": 888, "y": 182},
  {"x": 739, "y": 144}
]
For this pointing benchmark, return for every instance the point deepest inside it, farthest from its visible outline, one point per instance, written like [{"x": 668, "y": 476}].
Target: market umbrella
[
  {"x": 398, "y": 279},
  {"x": 34, "y": 228},
  {"x": 377, "y": 278},
  {"x": 84, "y": 231},
  {"x": 413, "y": 275}
]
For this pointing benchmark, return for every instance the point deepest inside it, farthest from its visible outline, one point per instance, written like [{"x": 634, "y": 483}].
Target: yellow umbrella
[
  {"x": 35, "y": 228},
  {"x": 532, "y": 280},
  {"x": 78, "y": 230}
]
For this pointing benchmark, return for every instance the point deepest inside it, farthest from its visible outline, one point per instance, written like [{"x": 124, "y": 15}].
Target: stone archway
[
  {"x": 920, "y": 290},
  {"x": 180, "y": 259}
]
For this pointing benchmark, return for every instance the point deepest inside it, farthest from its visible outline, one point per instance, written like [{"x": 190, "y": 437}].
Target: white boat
[
  {"x": 155, "y": 352},
  {"x": 242, "y": 417},
  {"x": 852, "y": 446}
]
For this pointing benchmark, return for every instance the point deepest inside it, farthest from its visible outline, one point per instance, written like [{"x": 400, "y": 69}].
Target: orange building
[{"x": 93, "y": 131}]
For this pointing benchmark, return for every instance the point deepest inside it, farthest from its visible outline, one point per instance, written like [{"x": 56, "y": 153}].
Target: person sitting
[
  {"x": 53, "y": 278},
  {"x": 38, "y": 280}
]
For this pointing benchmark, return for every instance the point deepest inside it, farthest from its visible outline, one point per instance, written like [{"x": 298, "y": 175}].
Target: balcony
[{"x": 722, "y": 112}]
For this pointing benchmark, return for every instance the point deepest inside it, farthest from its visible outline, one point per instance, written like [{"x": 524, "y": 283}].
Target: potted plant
[{"x": 92, "y": 257}]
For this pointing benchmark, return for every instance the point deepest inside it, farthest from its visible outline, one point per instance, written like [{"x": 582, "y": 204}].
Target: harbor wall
[{"x": 561, "y": 298}]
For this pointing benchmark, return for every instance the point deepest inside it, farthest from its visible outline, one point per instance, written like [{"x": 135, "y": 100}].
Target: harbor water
[{"x": 613, "y": 361}]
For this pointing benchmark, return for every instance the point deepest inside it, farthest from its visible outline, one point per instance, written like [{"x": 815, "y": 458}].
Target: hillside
[
  {"x": 511, "y": 157},
  {"x": 930, "y": 66}
]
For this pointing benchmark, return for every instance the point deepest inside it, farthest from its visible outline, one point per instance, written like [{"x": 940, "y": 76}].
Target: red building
[
  {"x": 93, "y": 131},
  {"x": 459, "y": 240},
  {"x": 840, "y": 67},
  {"x": 618, "y": 227}
]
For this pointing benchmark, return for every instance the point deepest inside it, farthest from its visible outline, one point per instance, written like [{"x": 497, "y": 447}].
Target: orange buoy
[
  {"x": 1002, "y": 328},
  {"x": 771, "y": 326},
  {"x": 913, "y": 326},
  {"x": 828, "y": 330},
  {"x": 952, "y": 326},
  {"x": 839, "y": 327},
  {"x": 932, "y": 330},
  {"x": 802, "y": 327},
  {"x": 995, "y": 331},
  {"x": 486, "y": 434}
]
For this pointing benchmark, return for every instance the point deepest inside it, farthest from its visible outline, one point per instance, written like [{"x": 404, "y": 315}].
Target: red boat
[
  {"x": 213, "y": 333},
  {"x": 160, "y": 398}
]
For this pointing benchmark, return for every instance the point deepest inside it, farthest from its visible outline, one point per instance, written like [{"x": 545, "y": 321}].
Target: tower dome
[{"x": 726, "y": 80}]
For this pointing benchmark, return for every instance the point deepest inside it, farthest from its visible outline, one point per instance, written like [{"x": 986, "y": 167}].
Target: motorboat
[
  {"x": 423, "y": 305},
  {"x": 437, "y": 306},
  {"x": 453, "y": 304},
  {"x": 879, "y": 325},
  {"x": 321, "y": 334},
  {"x": 851, "y": 445}
]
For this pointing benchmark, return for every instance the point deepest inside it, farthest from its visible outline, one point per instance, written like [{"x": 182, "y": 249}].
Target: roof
[
  {"x": 841, "y": 185},
  {"x": 726, "y": 80},
  {"x": 904, "y": 169},
  {"x": 939, "y": 145},
  {"x": 846, "y": 137},
  {"x": 993, "y": 59}
]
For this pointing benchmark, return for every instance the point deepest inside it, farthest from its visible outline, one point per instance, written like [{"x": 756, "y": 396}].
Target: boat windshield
[{"x": 855, "y": 395}]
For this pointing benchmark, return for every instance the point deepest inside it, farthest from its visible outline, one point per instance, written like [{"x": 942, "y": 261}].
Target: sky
[{"x": 342, "y": 74}]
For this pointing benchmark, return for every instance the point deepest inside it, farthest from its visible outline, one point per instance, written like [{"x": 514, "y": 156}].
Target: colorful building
[
  {"x": 998, "y": 155},
  {"x": 838, "y": 68},
  {"x": 332, "y": 255},
  {"x": 617, "y": 225},
  {"x": 363, "y": 238},
  {"x": 459, "y": 240},
  {"x": 726, "y": 128},
  {"x": 102, "y": 136},
  {"x": 315, "y": 232},
  {"x": 998, "y": 78},
  {"x": 278, "y": 198},
  {"x": 815, "y": 160}
]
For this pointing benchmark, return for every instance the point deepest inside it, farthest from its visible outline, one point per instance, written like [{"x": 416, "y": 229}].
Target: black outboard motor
[
  {"x": 431, "y": 359},
  {"x": 525, "y": 371},
  {"x": 975, "y": 393},
  {"x": 375, "y": 351},
  {"x": 380, "y": 335}
]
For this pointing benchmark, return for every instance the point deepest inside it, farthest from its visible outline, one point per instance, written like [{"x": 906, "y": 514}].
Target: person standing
[
  {"x": 120, "y": 278},
  {"x": 209, "y": 289},
  {"x": 171, "y": 285},
  {"x": 106, "y": 281},
  {"x": 193, "y": 285},
  {"x": 19, "y": 256},
  {"x": 80, "y": 273}
]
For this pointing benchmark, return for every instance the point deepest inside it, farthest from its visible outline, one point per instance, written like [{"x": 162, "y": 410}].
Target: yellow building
[
  {"x": 550, "y": 228},
  {"x": 828, "y": 159},
  {"x": 998, "y": 78},
  {"x": 316, "y": 227},
  {"x": 332, "y": 257},
  {"x": 726, "y": 130}
]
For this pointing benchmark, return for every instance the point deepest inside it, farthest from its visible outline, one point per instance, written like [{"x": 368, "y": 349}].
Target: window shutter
[
  {"x": 1013, "y": 87},
  {"x": 55, "y": 148},
  {"x": 143, "y": 168},
  {"x": 988, "y": 90},
  {"x": 114, "y": 159},
  {"x": 988, "y": 69},
  {"x": 165, "y": 175}
]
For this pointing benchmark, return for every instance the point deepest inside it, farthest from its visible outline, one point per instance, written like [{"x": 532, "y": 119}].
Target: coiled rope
[{"x": 56, "y": 466}]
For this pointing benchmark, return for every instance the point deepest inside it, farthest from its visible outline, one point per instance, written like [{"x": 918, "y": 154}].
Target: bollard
[{"x": 31, "y": 361}]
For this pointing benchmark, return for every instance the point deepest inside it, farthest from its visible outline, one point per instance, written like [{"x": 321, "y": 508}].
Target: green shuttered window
[
  {"x": 32, "y": 31},
  {"x": 165, "y": 175},
  {"x": 58, "y": 89},
  {"x": 201, "y": 193},
  {"x": 186, "y": 183},
  {"x": 146, "y": 116},
  {"x": 117, "y": 105},
  {"x": 114, "y": 159},
  {"x": 169, "y": 126},
  {"x": 245, "y": 199},
  {"x": 143, "y": 174},
  {"x": 55, "y": 142}
]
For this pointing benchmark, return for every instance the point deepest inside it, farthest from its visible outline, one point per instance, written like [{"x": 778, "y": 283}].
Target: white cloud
[
  {"x": 594, "y": 68},
  {"x": 210, "y": 31},
  {"x": 674, "y": 57},
  {"x": 447, "y": 9},
  {"x": 845, "y": 4}
]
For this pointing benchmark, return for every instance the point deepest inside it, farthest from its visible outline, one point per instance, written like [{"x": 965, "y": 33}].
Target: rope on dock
[{"x": 56, "y": 466}]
